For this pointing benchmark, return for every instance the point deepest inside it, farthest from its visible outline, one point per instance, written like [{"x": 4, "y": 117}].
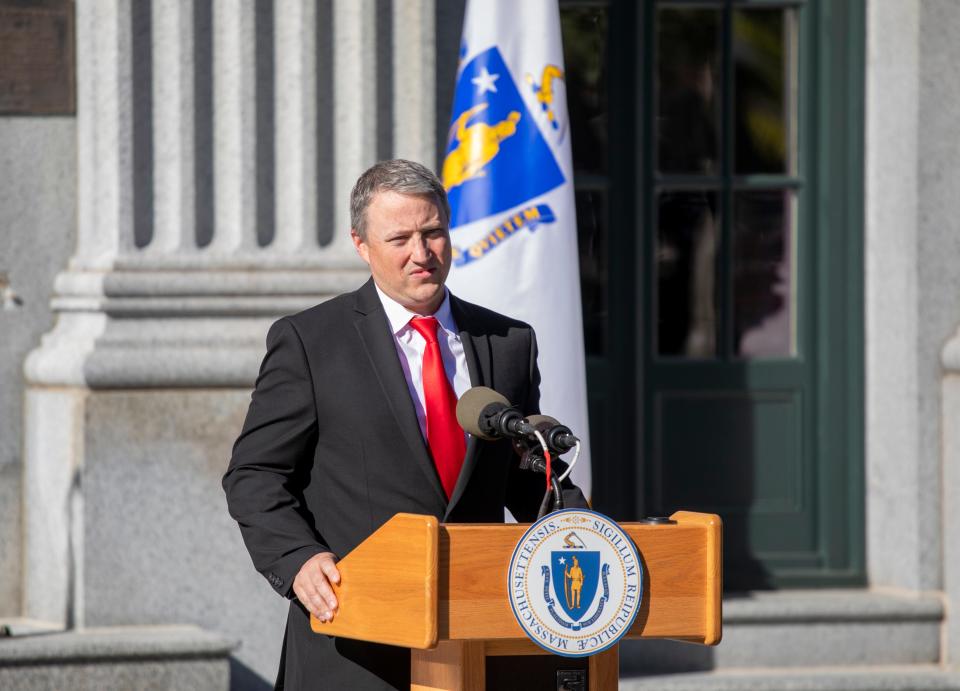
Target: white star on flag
[
  {"x": 485, "y": 81},
  {"x": 562, "y": 560}
]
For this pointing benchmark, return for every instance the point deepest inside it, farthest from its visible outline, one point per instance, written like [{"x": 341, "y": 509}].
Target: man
[{"x": 352, "y": 422}]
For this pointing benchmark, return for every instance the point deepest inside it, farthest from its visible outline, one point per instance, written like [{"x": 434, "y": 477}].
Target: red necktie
[{"x": 444, "y": 434}]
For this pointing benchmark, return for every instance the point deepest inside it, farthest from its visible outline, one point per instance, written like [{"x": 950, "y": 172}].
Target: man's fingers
[
  {"x": 324, "y": 590},
  {"x": 312, "y": 585},
  {"x": 316, "y": 604},
  {"x": 320, "y": 609},
  {"x": 310, "y": 599},
  {"x": 329, "y": 569}
]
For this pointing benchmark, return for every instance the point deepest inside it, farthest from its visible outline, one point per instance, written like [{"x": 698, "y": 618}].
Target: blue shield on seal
[{"x": 576, "y": 575}]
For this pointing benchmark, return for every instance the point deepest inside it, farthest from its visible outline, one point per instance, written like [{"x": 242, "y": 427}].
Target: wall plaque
[{"x": 37, "y": 57}]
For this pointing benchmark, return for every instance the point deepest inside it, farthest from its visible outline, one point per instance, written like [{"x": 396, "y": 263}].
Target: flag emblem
[
  {"x": 546, "y": 90},
  {"x": 493, "y": 144},
  {"x": 529, "y": 218}
]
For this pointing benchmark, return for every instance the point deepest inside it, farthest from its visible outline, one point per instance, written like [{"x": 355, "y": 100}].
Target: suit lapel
[
  {"x": 476, "y": 346},
  {"x": 374, "y": 331},
  {"x": 476, "y": 350}
]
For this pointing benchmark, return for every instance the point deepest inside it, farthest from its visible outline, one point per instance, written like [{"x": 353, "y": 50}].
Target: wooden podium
[{"x": 442, "y": 591}]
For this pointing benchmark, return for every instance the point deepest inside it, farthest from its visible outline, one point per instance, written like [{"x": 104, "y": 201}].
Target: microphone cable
[
  {"x": 576, "y": 457},
  {"x": 546, "y": 455},
  {"x": 553, "y": 482}
]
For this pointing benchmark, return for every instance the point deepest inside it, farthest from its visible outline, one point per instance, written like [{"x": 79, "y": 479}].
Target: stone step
[
  {"x": 157, "y": 658},
  {"x": 805, "y": 628},
  {"x": 21, "y": 626},
  {"x": 879, "y": 678}
]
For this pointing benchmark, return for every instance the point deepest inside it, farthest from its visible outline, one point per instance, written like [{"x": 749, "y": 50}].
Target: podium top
[{"x": 415, "y": 582}]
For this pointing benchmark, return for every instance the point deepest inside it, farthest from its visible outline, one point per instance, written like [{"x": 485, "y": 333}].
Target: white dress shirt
[{"x": 411, "y": 345}]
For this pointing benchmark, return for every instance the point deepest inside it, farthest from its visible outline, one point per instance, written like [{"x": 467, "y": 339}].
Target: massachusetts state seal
[{"x": 575, "y": 582}]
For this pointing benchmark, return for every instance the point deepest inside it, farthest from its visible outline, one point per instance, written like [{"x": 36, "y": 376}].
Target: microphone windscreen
[{"x": 471, "y": 406}]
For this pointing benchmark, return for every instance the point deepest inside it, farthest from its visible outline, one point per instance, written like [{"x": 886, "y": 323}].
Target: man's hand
[{"x": 312, "y": 585}]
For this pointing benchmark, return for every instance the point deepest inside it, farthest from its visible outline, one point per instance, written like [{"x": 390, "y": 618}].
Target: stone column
[
  {"x": 354, "y": 105},
  {"x": 295, "y": 38},
  {"x": 54, "y": 404},
  {"x": 234, "y": 125},
  {"x": 939, "y": 303},
  {"x": 174, "y": 184},
  {"x": 900, "y": 552},
  {"x": 414, "y": 55},
  {"x": 135, "y": 396},
  {"x": 950, "y": 424}
]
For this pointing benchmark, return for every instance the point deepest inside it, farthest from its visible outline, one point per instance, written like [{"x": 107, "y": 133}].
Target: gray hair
[{"x": 397, "y": 175}]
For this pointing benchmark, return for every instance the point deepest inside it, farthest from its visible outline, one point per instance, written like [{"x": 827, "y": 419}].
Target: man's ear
[{"x": 360, "y": 246}]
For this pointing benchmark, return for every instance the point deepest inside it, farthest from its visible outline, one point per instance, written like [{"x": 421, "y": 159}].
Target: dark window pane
[
  {"x": 688, "y": 90},
  {"x": 763, "y": 273},
  {"x": 585, "y": 60},
  {"x": 688, "y": 229},
  {"x": 765, "y": 81},
  {"x": 592, "y": 234}
]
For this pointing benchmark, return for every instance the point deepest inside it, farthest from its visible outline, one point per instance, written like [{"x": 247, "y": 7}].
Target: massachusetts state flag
[{"x": 509, "y": 175}]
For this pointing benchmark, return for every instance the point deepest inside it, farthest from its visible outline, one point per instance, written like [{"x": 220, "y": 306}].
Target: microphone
[
  {"x": 486, "y": 414},
  {"x": 559, "y": 438}
]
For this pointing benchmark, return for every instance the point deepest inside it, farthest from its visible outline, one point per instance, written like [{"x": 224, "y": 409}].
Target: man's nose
[{"x": 421, "y": 250}]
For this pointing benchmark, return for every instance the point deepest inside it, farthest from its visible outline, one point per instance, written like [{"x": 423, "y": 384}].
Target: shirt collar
[{"x": 399, "y": 316}]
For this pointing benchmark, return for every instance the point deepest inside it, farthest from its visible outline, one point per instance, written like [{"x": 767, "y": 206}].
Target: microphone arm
[
  {"x": 531, "y": 459},
  {"x": 556, "y": 492}
]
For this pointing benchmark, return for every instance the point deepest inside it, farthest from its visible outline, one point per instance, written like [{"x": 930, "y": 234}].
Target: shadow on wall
[
  {"x": 652, "y": 657},
  {"x": 242, "y": 678}
]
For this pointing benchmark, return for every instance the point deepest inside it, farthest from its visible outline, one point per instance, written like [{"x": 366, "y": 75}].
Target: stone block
[
  {"x": 890, "y": 678},
  {"x": 142, "y": 658},
  {"x": 208, "y": 675},
  {"x": 801, "y": 629},
  {"x": 158, "y": 544}
]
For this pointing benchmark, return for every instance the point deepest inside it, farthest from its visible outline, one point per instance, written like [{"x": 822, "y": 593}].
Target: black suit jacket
[{"x": 331, "y": 449}]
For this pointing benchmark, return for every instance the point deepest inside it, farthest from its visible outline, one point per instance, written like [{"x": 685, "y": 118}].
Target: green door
[{"x": 721, "y": 262}]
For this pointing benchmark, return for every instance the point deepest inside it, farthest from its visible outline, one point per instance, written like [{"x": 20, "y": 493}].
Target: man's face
[{"x": 408, "y": 249}]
